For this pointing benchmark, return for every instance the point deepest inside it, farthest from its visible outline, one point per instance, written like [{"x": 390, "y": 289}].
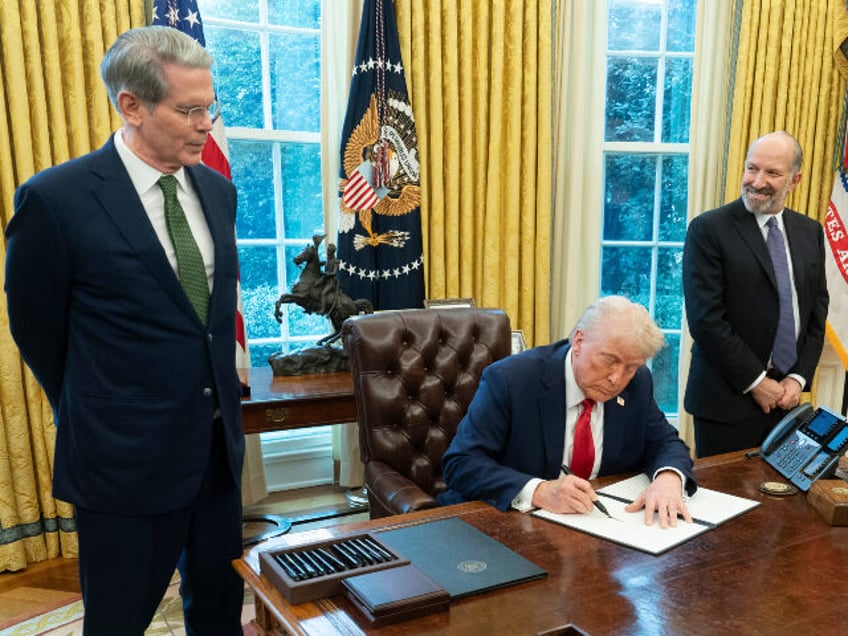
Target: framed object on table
[
  {"x": 518, "y": 344},
  {"x": 444, "y": 303}
]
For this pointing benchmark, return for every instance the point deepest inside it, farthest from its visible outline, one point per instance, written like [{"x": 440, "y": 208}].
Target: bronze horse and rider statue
[{"x": 317, "y": 290}]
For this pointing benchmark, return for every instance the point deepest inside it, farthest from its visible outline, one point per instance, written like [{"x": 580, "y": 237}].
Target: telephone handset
[{"x": 806, "y": 444}]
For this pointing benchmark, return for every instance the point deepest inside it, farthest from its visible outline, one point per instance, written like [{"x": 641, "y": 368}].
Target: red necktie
[{"x": 583, "y": 451}]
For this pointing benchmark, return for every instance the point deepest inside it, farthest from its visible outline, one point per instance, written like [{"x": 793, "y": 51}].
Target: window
[
  {"x": 267, "y": 75},
  {"x": 650, "y": 51}
]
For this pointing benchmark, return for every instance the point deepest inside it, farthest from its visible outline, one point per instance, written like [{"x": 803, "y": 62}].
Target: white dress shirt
[{"x": 145, "y": 179}]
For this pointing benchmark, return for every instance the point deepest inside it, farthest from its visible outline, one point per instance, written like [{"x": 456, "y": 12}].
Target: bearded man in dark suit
[
  {"x": 142, "y": 380},
  {"x": 741, "y": 379}
]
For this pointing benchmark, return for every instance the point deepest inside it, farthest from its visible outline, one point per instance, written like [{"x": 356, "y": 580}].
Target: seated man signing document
[{"x": 585, "y": 404}]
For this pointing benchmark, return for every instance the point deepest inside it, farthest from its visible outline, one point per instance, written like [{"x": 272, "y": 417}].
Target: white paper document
[{"x": 708, "y": 508}]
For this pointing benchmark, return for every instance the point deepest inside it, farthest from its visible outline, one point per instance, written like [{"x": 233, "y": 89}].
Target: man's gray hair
[
  {"x": 134, "y": 62},
  {"x": 619, "y": 314}
]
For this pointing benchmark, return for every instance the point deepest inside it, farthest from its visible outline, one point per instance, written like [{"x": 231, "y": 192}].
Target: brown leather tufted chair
[{"x": 414, "y": 374}]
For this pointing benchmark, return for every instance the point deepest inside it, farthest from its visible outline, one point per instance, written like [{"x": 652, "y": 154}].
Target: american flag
[{"x": 184, "y": 16}]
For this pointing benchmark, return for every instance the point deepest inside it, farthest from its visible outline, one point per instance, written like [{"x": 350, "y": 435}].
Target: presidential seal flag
[
  {"x": 184, "y": 16},
  {"x": 379, "y": 243}
]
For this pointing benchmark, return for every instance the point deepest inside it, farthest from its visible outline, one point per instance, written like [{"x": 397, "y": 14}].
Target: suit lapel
[
  {"x": 551, "y": 405},
  {"x": 116, "y": 194},
  {"x": 749, "y": 231},
  {"x": 220, "y": 229},
  {"x": 791, "y": 224}
]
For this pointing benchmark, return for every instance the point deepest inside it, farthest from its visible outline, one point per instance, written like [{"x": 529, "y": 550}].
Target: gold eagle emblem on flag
[{"x": 369, "y": 150}]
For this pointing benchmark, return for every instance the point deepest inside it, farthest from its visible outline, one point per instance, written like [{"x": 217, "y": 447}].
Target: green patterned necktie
[{"x": 190, "y": 268}]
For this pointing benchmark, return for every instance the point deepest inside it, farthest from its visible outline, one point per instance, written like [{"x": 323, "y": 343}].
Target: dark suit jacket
[
  {"x": 132, "y": 374},
  {"x": 732, "y": 305},
  {"x": 514, "y": 430}
]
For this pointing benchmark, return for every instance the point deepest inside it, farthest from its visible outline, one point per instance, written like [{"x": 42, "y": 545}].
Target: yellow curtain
[
  {"x": 52, "y": 107},
  {"x": 786, "y": 78},
  {"x": 578, "y": 163},
  {"x": 479, "y": 75}
]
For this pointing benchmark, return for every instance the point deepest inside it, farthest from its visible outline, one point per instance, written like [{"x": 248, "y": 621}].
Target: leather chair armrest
[{"x": 390, "y": 493}]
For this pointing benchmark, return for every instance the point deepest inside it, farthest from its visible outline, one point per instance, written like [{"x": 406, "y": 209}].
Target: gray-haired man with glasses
[{"x": 121, "y": 286}]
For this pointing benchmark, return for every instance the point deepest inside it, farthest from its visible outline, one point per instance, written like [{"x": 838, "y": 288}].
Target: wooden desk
[
  {"x": 284, "y": 403},
  {"x": 778, "y": 569}
]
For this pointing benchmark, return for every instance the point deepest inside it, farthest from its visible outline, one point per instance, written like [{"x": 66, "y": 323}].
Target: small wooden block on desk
[
  {"x": 397, "y": 594},
  {"x": 830, "y": 498}
]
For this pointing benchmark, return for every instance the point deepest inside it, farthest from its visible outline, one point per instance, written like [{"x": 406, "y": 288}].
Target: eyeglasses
[{"x": 198, "y": 114}]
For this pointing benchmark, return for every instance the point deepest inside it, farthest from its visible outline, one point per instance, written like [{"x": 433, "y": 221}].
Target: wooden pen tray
[{"x": 315, "y": 570}]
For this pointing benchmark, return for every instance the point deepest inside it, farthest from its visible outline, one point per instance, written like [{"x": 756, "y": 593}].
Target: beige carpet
[
  {"x": 33, "y": 605},
  {"x": 50, "y": 613}
]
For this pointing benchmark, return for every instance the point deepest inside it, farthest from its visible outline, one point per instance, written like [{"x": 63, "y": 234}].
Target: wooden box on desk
[
  {"x": 830, "y": 498},
  {"x": 325, "y": 584},
  {"x": 395, "y": 595}
]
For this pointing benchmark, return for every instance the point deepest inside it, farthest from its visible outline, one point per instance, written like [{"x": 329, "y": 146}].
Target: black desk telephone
[{"x": 806, "y": 444}]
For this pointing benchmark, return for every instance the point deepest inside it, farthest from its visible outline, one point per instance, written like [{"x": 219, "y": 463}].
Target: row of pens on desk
[{"x": 338, "y": 557}]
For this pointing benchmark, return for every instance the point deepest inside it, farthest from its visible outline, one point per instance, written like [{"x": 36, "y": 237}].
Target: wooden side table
[{"x": 279, "y": 403}]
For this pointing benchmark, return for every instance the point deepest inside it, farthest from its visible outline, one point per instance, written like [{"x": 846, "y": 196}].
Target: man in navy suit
[
  {"x": 144, "y": 388},
  {"x": 522, "y": 425},
  {"x": 737, "y": 390}
]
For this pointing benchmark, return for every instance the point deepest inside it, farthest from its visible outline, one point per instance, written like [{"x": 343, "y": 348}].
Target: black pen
[
  {"x": 292, "y": 566},
  {"x": 344, "y": 551},
  {"x": 387, "y": 556},
  {"x": 332, "y": 560},
  {"x": 289, "y": 569},
  {"x": 296, "y": 557},
  {"x": 596, "y": 503},
  {"x": 319, "y": 566},
  {"x": 367, "y": 549},
  {"x": 358, "y": 552}
]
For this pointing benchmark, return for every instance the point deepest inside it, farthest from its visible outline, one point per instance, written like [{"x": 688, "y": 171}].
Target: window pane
[
  {"x": 681, "y": 25},
  {"x": 228, "y": 9},
  {"x": 253, "y": 174},
  {"x": 237, "y": 75},
  {"x": 626, "y": 271},
  {"x": 292, "y": 270},
  {"x": 295, "y": 89},
  {"x": 669, "y": 294},
  {"x": 258, "y": 268},
  {"x": 303, "y": 324},
  {"x": 674, "y": 197},
  {"x": 297, "y": 13},
  {"x": 634, "y": 25},
  {"x": 302, "y": 204},
  {"x": 631, "y": 98},
  {"x": 259, "y": 353},
  {"x": 629, "y": 197},
  {"x": 664, "y": 369},
  {"x": 650, "y": 45},
  {"x": 677, "y": 100}
]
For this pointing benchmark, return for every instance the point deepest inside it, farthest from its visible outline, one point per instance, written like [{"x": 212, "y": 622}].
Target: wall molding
[
  {"x": 830, "y": 380},
  {"x": 298, "y": 458}
]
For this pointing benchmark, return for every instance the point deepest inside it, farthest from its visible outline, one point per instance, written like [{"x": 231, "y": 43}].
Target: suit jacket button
[{"x": 207, "y": 392}]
